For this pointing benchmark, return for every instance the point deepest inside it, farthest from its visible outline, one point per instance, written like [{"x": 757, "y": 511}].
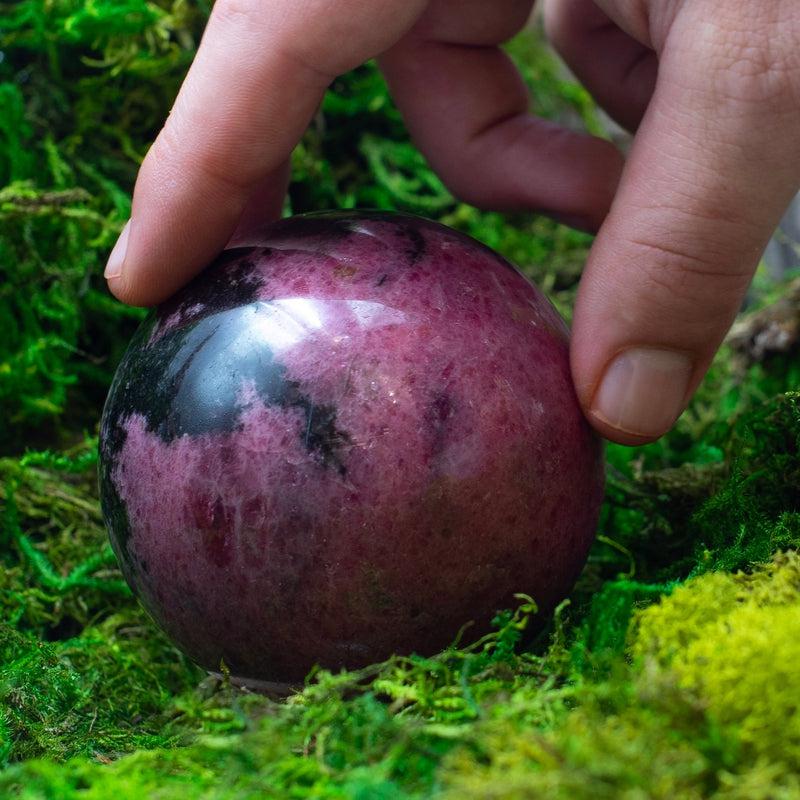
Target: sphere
[{"x": 343, "y": 443}]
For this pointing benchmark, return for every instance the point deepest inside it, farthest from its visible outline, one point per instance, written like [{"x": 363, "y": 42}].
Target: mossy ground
[{"x": 672, "y": 671}]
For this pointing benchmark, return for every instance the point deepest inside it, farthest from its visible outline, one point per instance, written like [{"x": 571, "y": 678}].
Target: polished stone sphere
[{"x": 343, "y": 443}]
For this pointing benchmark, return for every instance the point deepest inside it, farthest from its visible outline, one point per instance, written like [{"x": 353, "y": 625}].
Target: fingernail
[
  {"x": 117, "y": 257},
  {"x": 643, "y": 391}
]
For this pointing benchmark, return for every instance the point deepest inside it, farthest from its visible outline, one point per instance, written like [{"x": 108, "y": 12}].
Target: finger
[
  {"x": 264, "y": 205},
  {"x": 466, "y": 107},
  {"x": 618, "y": 71},
  {"x": 259, "y": 74},
  {"x": 713, "y": 166}
]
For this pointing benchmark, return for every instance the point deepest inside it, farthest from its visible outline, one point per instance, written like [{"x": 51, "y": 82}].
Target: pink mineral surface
[{"x": 344, "y": 443}]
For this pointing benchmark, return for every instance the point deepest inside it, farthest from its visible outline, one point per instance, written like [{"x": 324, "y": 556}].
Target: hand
[{"x": 713, "y": 166}]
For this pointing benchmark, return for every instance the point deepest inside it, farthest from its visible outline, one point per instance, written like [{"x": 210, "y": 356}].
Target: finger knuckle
[
  {"x": 749, "y": 55},
  {"x": 676, "y": 276},
  {"x": 241, "y": 14},
  {"x": 172, "y": 161},
  {"x": 214, "y": 167},
  {"x": 559, "y": 22},
  {"x": 166, "y": 146},
  {"x": 473, "y": 23}
]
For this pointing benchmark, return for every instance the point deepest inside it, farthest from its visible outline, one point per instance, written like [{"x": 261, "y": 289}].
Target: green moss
[
  {"x": 673, "y": 669},
  {"x": 690, "y": 716},
  {"x": 734, "y": 642}
]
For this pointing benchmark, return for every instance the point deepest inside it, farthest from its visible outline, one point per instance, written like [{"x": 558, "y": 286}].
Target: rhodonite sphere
[{"x": 343, "y": 443}]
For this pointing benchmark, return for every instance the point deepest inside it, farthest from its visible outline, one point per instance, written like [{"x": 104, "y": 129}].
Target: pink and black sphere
[{"x": 343, "y": 443}]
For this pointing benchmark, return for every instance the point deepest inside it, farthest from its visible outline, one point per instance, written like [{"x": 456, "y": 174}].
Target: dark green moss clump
[{"x": 673, "y": 670}]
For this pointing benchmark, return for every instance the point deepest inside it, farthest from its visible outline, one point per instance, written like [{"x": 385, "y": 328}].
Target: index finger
[{"x": 258, "y": 77}]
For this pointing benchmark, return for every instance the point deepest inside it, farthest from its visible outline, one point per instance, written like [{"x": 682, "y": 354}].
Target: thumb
[{"x": 713, "y": 166}]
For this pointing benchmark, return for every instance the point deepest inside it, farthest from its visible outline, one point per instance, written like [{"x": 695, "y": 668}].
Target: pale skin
[{"x": 711, "y": 89}]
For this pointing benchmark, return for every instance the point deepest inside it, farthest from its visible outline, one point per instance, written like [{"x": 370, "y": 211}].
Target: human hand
[
  {"x": 713, "y": 166},
  {"x": 709, "y": 175}
]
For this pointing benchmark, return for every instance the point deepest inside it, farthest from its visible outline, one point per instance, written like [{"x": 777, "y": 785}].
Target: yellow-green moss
[{"x": 733, "y": 641}]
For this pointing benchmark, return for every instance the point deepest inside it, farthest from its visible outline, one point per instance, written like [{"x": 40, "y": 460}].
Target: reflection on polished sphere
[{"x": 346, "y": 442}]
